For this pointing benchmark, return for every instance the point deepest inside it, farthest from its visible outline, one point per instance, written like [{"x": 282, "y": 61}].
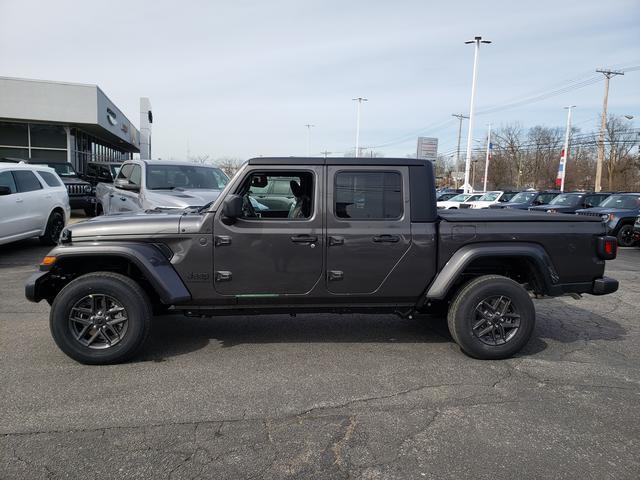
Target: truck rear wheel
[
  {"x": 491, "y": 317},
  {"x": 100, "y": 318}
]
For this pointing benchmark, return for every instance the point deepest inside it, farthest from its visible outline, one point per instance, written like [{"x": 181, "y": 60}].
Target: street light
[
  {"x": 309, "y": 126},
  {"x": 477, "y": 41},
  {"x": 359, "y": 100}
]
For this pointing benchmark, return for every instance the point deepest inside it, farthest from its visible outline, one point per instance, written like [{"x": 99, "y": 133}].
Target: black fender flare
[
  {"x": 533, "y": 252},
  {"x": 147, "y": 257}
]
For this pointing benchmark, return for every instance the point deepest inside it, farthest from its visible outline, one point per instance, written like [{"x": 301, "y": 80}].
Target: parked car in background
[
  {"x": 490, "y": 198},
  {"x": 454, "y": 202},
  {"x": 571, "y": 202},
  {"x": 33, "y": 203},
  {"x": 619, "y": 212},
  {"x": 98, "y": 172},
  {"x": 81, "y": 194},
  {"x": 636, "y": 230},
  {"x": 524, "y": 200},
  {"x": 445, "y": 195},
  {"x": 150, "y": 184}
]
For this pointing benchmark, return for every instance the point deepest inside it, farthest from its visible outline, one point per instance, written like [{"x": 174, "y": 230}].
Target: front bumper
[
  {"x": 36, "y": 287},
  {"x": 82, "y": 202}
]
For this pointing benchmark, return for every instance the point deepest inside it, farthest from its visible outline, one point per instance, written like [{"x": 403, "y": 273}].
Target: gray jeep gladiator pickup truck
[{"x": 340, "y": 235}]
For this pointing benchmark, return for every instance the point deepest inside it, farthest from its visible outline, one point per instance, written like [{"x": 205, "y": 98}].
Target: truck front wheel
[
  {"x": 100, "y": 318},
  {"x": 491, "y": 317}
]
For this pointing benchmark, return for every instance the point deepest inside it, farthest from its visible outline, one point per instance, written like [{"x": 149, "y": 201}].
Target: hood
[
  {"x": 140, "y": 223},
  {"x": 623, "y": 211},
  {"x": 179, "y": 198},
  {"x": 519, "y": 205},
  {"x": 73, "y": 181},
  {"x": 558, "y": 208}
]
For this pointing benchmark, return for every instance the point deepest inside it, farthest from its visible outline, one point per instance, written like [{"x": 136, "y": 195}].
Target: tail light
[{"x": 607, "y": 247}]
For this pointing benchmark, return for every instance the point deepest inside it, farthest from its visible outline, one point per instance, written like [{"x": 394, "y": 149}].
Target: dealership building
[{"x": 68, "y": 122}]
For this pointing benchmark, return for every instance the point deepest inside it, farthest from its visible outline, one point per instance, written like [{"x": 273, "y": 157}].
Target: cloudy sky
[{"x": 241, "y": 78}]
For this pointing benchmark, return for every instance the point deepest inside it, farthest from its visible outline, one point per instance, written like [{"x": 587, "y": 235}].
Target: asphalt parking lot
[{"x": 324, "y": 396}]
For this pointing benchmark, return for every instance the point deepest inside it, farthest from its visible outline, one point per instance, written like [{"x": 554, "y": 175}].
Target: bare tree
[
  {"x": 229, "y": 165},
  {"x": 201, "y": 159},
  {"x": 621, "y": 167}
]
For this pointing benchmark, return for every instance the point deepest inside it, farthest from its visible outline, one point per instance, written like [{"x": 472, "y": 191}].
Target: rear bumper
[{"x": 604, "y": 286}]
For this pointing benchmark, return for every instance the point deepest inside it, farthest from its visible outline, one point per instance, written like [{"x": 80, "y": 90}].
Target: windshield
[
  {"x": 622, "y": 201},
  {"x": 63, "y": 169},
  {"x": 489, "y": 197},
  {"x": 167, "y": 177},
  {"x": 460, "y": 198},
  {"x": 566, "y": 199},
  {"x": 523, "y": 197}
]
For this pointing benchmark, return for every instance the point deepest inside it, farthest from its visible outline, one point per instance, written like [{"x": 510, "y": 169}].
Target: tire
[
  {"x": 55, "y": 225},
  {"x": 625, "y": 236},
  {"x": 100, "y": 291},
  {"x": 477, "y": 304},
  {"x": 99, "y": 209}
]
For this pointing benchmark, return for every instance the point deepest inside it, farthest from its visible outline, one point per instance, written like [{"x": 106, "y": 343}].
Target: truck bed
[{"x": 509, "y": 215}]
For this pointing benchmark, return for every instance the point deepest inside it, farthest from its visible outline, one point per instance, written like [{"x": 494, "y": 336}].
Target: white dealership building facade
[{"x": 67, "y": 122}]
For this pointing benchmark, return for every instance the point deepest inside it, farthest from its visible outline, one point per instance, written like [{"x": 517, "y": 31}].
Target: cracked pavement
[{"x": 324, "y": 396}]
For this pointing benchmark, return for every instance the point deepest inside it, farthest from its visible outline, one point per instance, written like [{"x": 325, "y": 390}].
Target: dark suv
[
  {"x": 97, "y": 172},
  {"x": 571, "y": 202},
  {"x": 81, "y": 193},
  {"x": 619, "y": 212},
  {"x": 524, "y": 200}
]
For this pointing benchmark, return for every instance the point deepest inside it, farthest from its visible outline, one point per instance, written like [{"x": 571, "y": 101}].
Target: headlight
[
  {"x": 87, "y": 189},
  {"x": 551, "y": 210}
]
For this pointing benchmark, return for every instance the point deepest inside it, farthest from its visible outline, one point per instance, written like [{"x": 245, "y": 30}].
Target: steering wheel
[{"x": 247, "y": 208}]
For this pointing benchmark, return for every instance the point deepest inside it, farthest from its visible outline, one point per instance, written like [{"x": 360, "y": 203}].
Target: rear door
[
  {"x": 33, "y": 205},
  {"x": 368, "y": 226},
  {"x": 11, "y": 211}
]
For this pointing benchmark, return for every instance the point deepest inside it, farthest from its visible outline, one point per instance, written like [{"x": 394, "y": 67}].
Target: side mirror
[
  {"x": 124, "y": 184},
  {"x": 5, "y": 190},
  {"x": 231, "y": 209}
]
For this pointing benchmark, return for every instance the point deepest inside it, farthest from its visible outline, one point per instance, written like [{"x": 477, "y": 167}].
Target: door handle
[
  {"x": 304, "y": 239},
  {"x": 19, "y": 200},
  {"x": 124, "y": 199},
  {"x": 336, "y": 241},
  {"x": 386, "y": 239}
]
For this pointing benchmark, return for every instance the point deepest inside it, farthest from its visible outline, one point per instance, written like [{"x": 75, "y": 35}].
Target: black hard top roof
[{"x": 336, "y": 161}]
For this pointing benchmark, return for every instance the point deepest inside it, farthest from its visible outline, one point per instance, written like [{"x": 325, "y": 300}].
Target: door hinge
[
  {"x": 335, "y": 275},
  {"x": 222, "y": 240},
  {"x": 223, "y": 276},
  {"x": 333, "y": 241}
]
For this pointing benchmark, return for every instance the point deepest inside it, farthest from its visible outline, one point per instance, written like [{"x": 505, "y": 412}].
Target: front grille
[
  {"x": 590, "y": 214},
  {"x": 75, "y": 189}
]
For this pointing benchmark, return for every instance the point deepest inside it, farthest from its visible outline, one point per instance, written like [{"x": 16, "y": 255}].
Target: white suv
[{"x": 33, "y": 203}]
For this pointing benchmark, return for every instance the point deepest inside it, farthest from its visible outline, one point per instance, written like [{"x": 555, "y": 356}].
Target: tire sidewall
[
  {"x": 137, "y": 312},
  {"x": 620, "y": 237},
  {"x": 48, "y": 236},
  {"x": 463, "y": 316}
]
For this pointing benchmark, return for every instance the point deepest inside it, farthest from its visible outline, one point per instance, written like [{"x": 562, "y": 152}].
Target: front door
[
  {"x": 368, "y": 226},
  {"x": 276, "y": 247}
]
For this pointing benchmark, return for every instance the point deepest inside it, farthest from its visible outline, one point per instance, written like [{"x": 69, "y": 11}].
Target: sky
[{"x": 242, "y": 78}]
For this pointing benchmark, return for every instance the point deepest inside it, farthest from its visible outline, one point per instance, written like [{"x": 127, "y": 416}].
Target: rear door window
[
  {"x": 50, "y": 179},
  {"x": 368, "y": 195},
  {"x": 26, "y": 181}
]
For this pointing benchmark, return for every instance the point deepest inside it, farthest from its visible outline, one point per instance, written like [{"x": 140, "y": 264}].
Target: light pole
[
  {"x": 460, "y": 117},
  {"x": 486, "y": 161},
  {"x": 309, "y": 126},
  {"x": 603, "y": 125},
  {"x": 477, "y": 41},
  {"x": 562, "y": 169},
  {"x": 359, "y": 100}
]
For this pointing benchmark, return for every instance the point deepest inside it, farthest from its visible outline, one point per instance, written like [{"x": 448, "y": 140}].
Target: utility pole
[
  {"x": 460, "y": 117},
  {"x": 603, "y": 125},
  {"x": 309, "y": 126},
  {"x": 562, "y": 169},
  {"x": 326, "y": 153},
  {"x": 359, "y": 100},
  {"x": 477, "y": 41},
  {"x": 486, "y": 161}
]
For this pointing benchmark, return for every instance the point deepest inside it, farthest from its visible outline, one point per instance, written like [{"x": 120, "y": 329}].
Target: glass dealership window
[
  {"x": 49, "y": 155},
  {"x": 14, "y": 134},
  {"x": 14, "y": 152},
  {"x": 48, "y": 136},
  {"x": 368, "y": 195}
]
